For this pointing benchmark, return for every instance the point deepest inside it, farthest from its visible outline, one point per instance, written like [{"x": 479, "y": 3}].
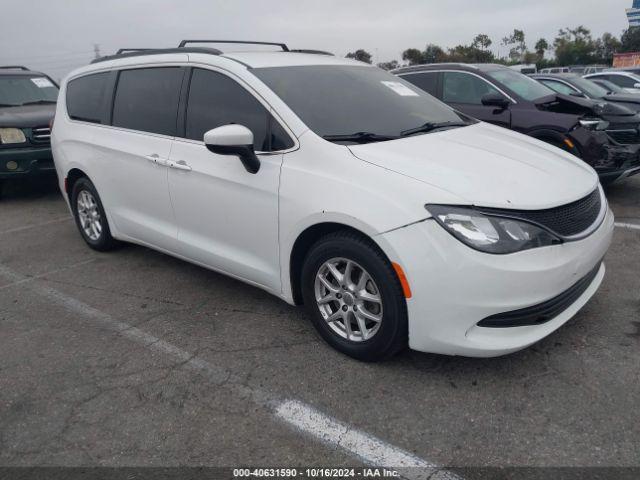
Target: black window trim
[
  {"x": 187, "y": 68},
  {"x": 116, "y": 80},
  {"x": 105, "y": 121},
  {"x": 184, "y": 95}
]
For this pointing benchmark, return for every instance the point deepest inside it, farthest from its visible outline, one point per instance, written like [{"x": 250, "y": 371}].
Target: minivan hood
[
  {"x": 27, "y": 116},
  {"x": 486, "y": 166}
]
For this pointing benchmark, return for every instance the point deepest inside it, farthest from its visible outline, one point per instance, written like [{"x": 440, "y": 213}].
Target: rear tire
[
  {"x": 358, "y": 292},
  {"x": 90, "y": 217}
]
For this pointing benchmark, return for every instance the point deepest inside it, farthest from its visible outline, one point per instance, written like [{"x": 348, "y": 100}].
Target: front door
[{"x": 464, "y": 92}]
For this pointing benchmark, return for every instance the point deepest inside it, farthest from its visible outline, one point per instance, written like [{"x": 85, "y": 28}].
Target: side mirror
[
  {"x": 578, "y": 94},
  {"x": 636, "y": 85},
  {"x": 495, "y": 100},
  {"x": 233, "y": 140}
]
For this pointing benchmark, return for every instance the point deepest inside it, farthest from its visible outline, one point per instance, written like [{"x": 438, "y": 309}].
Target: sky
[{"x": 56, "y": 36}]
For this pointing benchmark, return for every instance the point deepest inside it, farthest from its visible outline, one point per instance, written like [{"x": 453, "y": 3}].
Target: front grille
[
  {"x": 567, "y": 220},
  {"x": 543, "y": 312},
  {"x": 625, "y": 137},
  {"x": 41, "y": 134}
]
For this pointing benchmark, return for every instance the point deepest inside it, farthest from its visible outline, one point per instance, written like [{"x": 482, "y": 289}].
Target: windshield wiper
[
  {"x": 8, "y": 105},
  {"x": 430, "y": 126},
  {"x": 39, "y": 102},
  {"x": 359, "y": 137}
]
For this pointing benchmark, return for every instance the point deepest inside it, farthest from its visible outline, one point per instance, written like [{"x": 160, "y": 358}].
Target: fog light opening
[{"x": 11, "y": 165}]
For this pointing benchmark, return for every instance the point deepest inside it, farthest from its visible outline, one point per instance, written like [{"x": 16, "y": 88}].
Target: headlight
[
  {"x": 12, "y": 135},
  {"x": 594, "y": 124},
  {"x": 491, "y": 234}
]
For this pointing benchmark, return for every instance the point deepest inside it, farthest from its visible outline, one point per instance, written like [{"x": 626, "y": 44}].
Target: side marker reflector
[
  {"x": 403, "y": 280},
  {"x": 569, "y": 143}
]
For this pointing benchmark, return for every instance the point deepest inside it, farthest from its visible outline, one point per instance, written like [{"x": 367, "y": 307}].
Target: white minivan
[{"x": 325, "y": 181}]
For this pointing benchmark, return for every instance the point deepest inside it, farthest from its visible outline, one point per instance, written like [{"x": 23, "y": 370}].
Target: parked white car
[
  {"x": 329, "y": 182},
  {"x": 629, "y": 81}
]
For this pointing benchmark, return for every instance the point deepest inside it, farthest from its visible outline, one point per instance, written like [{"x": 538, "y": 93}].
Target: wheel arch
[
  {"x": 72, "y": 177},
  {"x": 307, "y": 238},
  {"x": 555, "y": 137}
]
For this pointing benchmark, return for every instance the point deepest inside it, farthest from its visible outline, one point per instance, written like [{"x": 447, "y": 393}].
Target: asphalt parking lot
[{"x": 136, "y": 358}]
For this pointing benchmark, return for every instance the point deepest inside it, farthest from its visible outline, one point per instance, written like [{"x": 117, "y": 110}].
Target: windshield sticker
[
  {"x": 42, "y": 82},
  {"x": 400, "y": 89}
]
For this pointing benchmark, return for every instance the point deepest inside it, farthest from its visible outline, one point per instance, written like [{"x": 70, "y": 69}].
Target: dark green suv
[{"x": 27, "y": 106}]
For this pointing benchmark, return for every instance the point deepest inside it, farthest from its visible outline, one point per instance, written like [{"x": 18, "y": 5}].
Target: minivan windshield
[
  {"x": 520, "y": 84},
  {"x": 21, "y": 90},
  {"x": 359, "y": 104}
]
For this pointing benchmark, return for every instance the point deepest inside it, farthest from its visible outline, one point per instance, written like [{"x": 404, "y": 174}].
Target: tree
[
  {"x": 541, "y": 47},
  {"x": 481, "y": 41},
  {"x": 413, "y": 56},
  {"x": 361, "y": 55},
  {"x": 630, "y": 40},
  {"x": 470, "y": 54},
  {"x": 574, "y": 46},
  {"x": 605, "y": 47},
  {"x": 517, "y": 44},
  {"x": 388, "y": 65},
  {"x": 434, "y": 54}
]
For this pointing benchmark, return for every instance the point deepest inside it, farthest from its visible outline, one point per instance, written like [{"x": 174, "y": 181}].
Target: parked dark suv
[
  {"x": 502, "y": 96},
  {"x": 27, "y": 106}
]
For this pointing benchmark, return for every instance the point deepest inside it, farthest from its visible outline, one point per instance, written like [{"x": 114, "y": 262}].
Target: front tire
[
  {"x": 354, "y": 297},
  {"x": 90, "y": 217}
]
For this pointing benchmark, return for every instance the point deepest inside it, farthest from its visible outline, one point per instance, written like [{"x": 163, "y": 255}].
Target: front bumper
[
  {"x": 455, "y": 287},
  {"x": 30, "y": 161},
  {"x": 621, "y": 161}
]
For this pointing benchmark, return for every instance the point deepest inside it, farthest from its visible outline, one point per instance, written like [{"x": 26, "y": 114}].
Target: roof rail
[
  {"x": 137, "y": 52},
  {"x": 14, "y": 67},
  {"x": 284, "y": 48},
  {"x": 127, "y": 50},
  {"x": 314, "y": 52}
]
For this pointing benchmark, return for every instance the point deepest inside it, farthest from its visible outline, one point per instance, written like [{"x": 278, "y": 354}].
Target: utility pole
[{"x": 96, "y": 50}]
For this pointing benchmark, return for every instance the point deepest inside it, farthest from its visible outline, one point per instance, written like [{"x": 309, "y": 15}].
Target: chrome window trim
[{"x": 468, "y": 73}]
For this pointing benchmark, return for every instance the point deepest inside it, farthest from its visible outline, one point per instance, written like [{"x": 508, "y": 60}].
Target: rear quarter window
[{"x": 88, "y": 98}]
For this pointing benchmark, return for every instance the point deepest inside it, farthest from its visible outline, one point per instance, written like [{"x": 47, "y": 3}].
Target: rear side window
[
  {"x": 426, "y": 81},
  {"x": 88, "y": 98},
  {"x": 215, "y": 100},
  {"x": 147, "y": 99}
]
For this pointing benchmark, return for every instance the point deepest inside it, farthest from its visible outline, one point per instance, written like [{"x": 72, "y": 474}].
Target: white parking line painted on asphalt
[
  {"x": 629, "y": 226},
  {"x": 373, "y": 451},
  {"x": 37, "y": 225},
  {"x": 366, "y": 447},
  {"x": 28, "y": 278}
]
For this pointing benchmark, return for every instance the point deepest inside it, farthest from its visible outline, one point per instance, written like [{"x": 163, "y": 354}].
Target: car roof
[
  {"x": 559, "y": 76},
  {"x": 471, "y": 67},
  {"x": 255, "y": 59},
  {"x": 18, "y": 71}
]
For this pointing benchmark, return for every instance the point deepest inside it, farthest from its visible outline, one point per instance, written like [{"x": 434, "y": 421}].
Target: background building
[{"x": 633, "y": 14}]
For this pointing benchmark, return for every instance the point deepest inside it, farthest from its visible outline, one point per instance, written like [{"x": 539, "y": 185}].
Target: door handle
[
  {"x": 180, "y": 165},
  {"x": 155, "y": 158}
]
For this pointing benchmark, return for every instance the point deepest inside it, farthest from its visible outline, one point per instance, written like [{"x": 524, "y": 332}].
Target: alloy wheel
[
  {"x": 349, "y": 299},
  {"x": 89, "y": 215}
]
